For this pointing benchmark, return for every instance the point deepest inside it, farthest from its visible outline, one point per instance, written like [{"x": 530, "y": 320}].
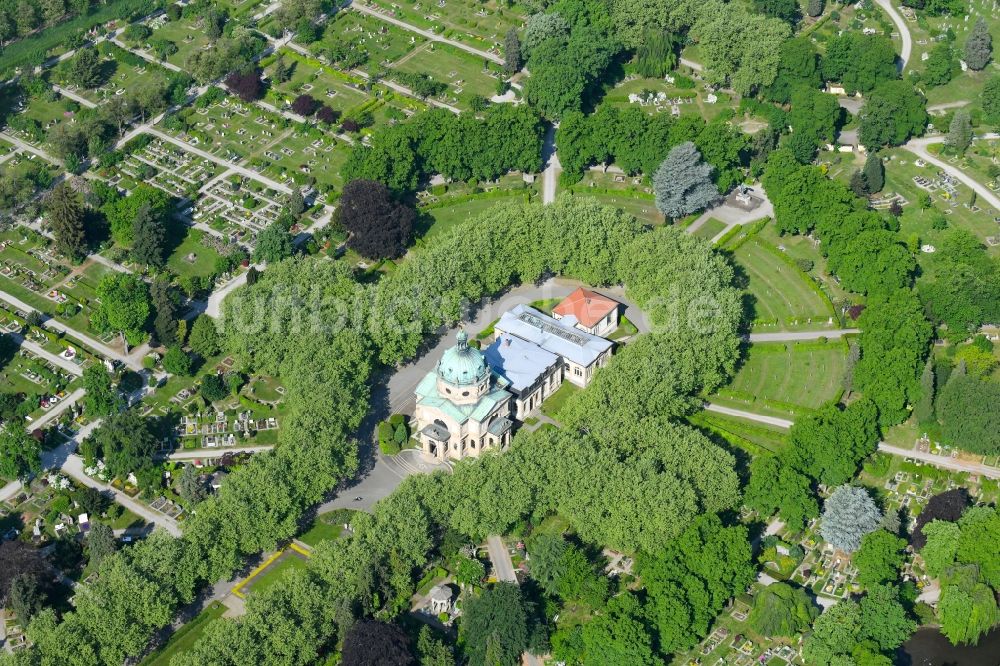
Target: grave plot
[
  {"x": 464, "y": 74},
  {"x": 124, "y": 73},
  {"x": 228, "y": 129},
  {"x": 238, "y": 206},
  {"x": 667, "y": 96},
  {"x": 363, "y": 42},
  {"x": 185, "y": 33},
  {"x": 326, "y": 85},
  {"x": 482, "y": 25},
  {"x": 302, "y": 155},
  {"x": 167, "y": 167},
  {"x": 33, "y": 120}
]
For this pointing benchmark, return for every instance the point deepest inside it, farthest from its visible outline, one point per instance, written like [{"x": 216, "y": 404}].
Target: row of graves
[
  {"x": 168, "y": 167},
  {"x": 31, "y": 264},
  {"x": 236, "y": 211},
  {"x": 727, "y": 645},
  {"x": 221, "y": 429},
  {"x": 246, "y": 126}
]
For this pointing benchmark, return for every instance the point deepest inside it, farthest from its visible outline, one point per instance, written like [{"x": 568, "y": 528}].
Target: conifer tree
[
  {"x": 979, "y": 47},
  {"x": 64, "y": 212}
]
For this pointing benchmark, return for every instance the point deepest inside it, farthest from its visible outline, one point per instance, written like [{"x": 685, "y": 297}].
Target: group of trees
[
  {"x": 962, "y": 552},
  {"x": 462, "y": 147},
  {"x": 94, "y": 130},
  {"x": 867, "y": 256},
  {"x": 567, "y": 49},
  {"x": 639, "y": 143},
  {"x": 824, "y": 448}
]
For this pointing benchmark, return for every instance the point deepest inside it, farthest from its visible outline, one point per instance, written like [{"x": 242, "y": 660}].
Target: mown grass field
[
  {"x": 782, "y": 295},
  {"x": 787, "y": 379}
]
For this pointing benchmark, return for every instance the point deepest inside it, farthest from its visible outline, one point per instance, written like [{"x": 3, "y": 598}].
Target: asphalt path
[{"x": 901, "y": 27}]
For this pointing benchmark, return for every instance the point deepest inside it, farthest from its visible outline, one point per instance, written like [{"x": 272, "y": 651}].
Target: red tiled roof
[{"x": 587, "y": 306}]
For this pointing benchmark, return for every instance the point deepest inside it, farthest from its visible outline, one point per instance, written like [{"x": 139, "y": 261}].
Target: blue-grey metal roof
[
  {"x": 552, "y": 335},
  {"x": 520, "y": 361}
]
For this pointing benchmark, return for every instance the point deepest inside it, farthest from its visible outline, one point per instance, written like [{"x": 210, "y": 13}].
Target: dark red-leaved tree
[
  {"x": 304, "y": 105},
  {"x": 349, "y": 125},
  {"x": 372, "y": 643},
  {"x": 327, "y": 115},
  {"x": 16, "y": 558},
  {"x": 379, "y": 225},
  {"x": 247, "y": 85},
  {"x": 949, "y": 505}
]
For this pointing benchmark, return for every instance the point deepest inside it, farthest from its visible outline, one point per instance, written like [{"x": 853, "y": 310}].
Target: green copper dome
[{"x": 462, "y": 364}]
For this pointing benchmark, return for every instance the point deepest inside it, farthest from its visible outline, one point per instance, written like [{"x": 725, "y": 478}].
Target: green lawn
[
  {"x": 555, "y": 402},
  {"x": 313, "y": 78},
  {"x": 385, "y": 43},
  {"x": 478, "y": 23},
  {"x": 444, "y": 218},
  {"x": 754, "y": 438},
  {"x": 186, "y": 34},
  {"x": 184, "y": 638},
  {"x": 787, "y": 379},
  {"x": 709, "y": 229},
  {"x": 642, "y": 209},
  {"x": 324, "y": 528},
  {"x": 782, "y": 295},
  {"x": 205, "y": 257},
  {"x": 273, "y": 574}
]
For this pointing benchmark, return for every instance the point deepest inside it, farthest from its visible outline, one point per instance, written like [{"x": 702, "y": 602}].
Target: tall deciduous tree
[
  {"x": 124, "y": 305},
  {"x": 495, "y": 627},
  {"x": 273, "y": 244},
  {"x": 204, "y": 337},
  {"x": 373, "y": 643},
  {"x": 892, "y": 114},
  {"x": 777, "y": 486},
  {"x": 782, "y": 610},
  {"x": 20, "y": 453},
  {"x": 379, "y": 225},
  {"x": 125, "y": 441},
  {"x": 848, "y": 515},
  {"x": 979, "y": 46},
  {"x": 100, "y": 398},
  {"x": 880, "y": 558},
  {"x": 64, "y": 213},
  {"x": 683, "y": 182}
]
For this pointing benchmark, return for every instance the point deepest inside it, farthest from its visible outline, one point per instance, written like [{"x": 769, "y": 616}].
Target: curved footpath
[
  {"x": 919, "y": 148},
  {"x": 904, "y": 31}
]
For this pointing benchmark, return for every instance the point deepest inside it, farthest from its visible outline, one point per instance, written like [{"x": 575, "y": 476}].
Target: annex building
[{"x": 471, "y": 400}]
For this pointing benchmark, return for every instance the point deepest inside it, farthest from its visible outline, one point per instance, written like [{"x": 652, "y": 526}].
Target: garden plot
[
  {"x": 239, "y": 202},
  {"x": 481, "y": 25},
  {"x": 383, "y": 43},
  {"x": 168, "y": 167},
  {"x": 465, "y": 75}
]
